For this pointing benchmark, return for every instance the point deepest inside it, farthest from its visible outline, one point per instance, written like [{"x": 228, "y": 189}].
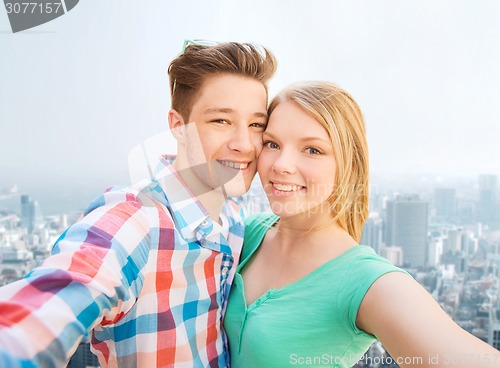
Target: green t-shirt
[{"x": 311, "y": 322}]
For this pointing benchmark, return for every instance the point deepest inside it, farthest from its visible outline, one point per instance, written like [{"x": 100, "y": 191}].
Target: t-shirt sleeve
[{"x": 359, "y": 276}]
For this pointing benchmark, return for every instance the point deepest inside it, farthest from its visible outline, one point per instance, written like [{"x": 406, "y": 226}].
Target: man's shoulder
[{"x": 140, "y": 195}]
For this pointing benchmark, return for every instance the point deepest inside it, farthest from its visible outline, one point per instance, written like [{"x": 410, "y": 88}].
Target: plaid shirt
[{"x": 144, "y": 271}]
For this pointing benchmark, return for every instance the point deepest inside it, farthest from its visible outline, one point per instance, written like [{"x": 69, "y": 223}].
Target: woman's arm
[{"x": 415, "y": 330}]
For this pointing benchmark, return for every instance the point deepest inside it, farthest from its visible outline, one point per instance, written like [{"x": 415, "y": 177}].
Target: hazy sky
[{"x": 78, "y": 93}]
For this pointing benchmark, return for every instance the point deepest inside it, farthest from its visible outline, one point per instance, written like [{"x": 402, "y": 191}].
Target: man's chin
[{"x": 232, "y": 189}]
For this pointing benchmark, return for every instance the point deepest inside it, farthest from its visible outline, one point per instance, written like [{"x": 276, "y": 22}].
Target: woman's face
[{"x": 297, "y": 165}]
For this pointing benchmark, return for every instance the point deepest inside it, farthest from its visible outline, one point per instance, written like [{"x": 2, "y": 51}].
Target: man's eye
[
  {"x": 220, "y": 121},
  {"x": 258, "y": 125},
  {"x": 270, "y": 144}
]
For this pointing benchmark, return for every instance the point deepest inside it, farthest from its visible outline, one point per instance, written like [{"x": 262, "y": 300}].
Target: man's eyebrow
[{"x": 224, "y": 110}]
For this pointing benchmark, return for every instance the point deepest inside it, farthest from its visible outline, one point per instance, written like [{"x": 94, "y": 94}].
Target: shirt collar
[{"x": 190, "y": 217}]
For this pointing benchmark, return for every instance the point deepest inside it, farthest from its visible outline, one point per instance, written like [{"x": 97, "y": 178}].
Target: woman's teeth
[{"x": 286, "y": 187}]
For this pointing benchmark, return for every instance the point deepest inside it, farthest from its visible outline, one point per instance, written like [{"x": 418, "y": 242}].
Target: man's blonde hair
[{"x": 340, "y": 115}]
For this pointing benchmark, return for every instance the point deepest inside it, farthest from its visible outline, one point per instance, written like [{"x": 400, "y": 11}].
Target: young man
[{"x": 146, "y": 271}]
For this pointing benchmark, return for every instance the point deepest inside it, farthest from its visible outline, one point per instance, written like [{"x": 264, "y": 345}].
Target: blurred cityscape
[{"x": 445, "y": 232}]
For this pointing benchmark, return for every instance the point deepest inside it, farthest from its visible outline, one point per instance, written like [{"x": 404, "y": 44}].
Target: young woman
[{"x": 305, "y": 292}]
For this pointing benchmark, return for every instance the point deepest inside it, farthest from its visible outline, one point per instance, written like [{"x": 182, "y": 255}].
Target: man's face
[{"x": 224, "y": 131}]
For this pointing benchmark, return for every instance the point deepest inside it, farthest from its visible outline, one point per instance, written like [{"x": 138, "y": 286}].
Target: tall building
[
  {"x": 487, "y": 199},
  {"x": 31, "y": 215},
  {"x": 406, "y": 227},
  {"x": 454, "y": 240},
  {"x": 372, "y": 232},
  {"x": 27, "y": 213},
  {"x": 435, "y": 250},
  {"x": 444, "y": 204}
]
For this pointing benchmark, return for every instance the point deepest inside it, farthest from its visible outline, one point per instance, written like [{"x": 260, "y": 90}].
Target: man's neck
[
  {"x": 211, "y": 199},
  {"x": 213, "y": 202}
]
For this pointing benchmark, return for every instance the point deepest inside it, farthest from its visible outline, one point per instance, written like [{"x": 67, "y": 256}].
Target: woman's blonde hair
[{"x": 340, "y": 115}]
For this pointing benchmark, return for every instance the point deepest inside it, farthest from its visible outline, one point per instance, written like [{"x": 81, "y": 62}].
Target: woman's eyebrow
[
  {"x": 306, "y": 139},
  {"x": 302, "y": 139}
]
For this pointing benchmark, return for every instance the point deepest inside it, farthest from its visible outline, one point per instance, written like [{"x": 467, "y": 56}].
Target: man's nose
[{"x": 241, "y": 140}]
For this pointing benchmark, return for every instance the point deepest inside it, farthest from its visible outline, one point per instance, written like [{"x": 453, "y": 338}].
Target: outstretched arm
[
  {"x": 415, "y": 330},
  {"x": 92, "y": 277}
]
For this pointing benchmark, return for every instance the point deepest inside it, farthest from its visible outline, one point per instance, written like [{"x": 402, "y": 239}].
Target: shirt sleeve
[
  {"x": 93, "y": 276},
  {"x": 360, "y": 275}
]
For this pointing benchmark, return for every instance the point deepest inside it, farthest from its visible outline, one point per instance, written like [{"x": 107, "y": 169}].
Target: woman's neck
[{"x": 308, "y": 230}]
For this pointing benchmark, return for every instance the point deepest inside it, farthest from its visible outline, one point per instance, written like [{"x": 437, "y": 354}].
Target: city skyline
[{"x": 382, "y": 188}]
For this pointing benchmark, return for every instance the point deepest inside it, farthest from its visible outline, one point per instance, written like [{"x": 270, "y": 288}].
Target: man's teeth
[
  {"x": 286, "y": 187},
  {"x": 234, "y": 165}
]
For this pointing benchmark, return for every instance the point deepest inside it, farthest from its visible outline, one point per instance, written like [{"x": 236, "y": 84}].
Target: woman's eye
[
  {"x": 313, "y": 151},
  {"x": 270, "y": 144}
]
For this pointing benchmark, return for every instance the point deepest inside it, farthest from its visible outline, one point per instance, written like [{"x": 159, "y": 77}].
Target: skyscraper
[
  {"x": 487, "y": 199},
  {"x": 406, "y": 227},
  {"x": 434, "y": 251},
  {"x": 372, "y": 232},
  {"x": 27, "y": 213},
  {"x": 31, "y": 215},
  {"x": 445, "y": 204}
]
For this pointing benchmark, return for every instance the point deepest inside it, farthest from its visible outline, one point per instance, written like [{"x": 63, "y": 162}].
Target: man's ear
[{"x": 177, "y": 125}]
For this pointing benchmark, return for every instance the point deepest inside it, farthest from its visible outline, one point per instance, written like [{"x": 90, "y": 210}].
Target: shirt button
[{"x": 204, "y": 223}]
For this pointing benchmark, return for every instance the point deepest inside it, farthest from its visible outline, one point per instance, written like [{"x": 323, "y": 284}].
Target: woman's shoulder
[
  {"x": 365, "y": 258},
  {"x": 259, "y": 220},
  {"x": 256, "y": 227},
  {"x": 258, "y": 224}
]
